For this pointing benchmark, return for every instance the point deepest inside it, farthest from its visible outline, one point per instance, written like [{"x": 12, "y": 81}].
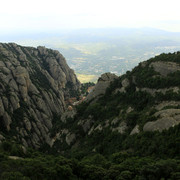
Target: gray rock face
[
  {"x": 85, "y": 124},
  {"x": 135, "y": 130},
  {"x": 101, "y": 86},
  {"x": 154, "y": 91},
  {"x": 34, "y": 85},
  {"x": 167, "y": 118},
  {"x": 164, "y": 68},
  {"x": 166, "y": 104},
  {"x": 68, "y": 114},
  {"x": 6, "y": 120},
  {"x": 121, "y": 128},
  {"x": 115, "y": 121},
  {"x": 70, "y": 138}
]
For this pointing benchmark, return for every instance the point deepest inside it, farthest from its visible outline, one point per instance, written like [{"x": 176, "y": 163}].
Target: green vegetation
[
  {"x": 85, "y": 86},
  {"x": 152, "y": 79},
  {"x": 154, "y": 156},
  {"x": 146, "y": 155},
  {"x": 169, "y": 57},
  {"x": 113, "y": 105}
]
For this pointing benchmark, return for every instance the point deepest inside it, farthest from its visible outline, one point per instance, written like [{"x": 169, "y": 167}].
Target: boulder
[
  {"x": 101, "y": 86},
  {"x": 70, "y": 138}
]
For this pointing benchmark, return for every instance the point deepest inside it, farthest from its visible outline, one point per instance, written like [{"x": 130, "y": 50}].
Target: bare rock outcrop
[
  {"x": 164, "y": 104},
  {"x": 121, "y": 128},
  {"x": 125, "y": 83},
  {"x": 135, "y": 130},
  {"x": 34, "y": 85},
  {"x": 154, "y": 91},
  {"x": 164, "y": 68},
  {"x": 101, "y": 86},
  {"x": 70, "y": 138},
  {"x": 166, "y": 118}
]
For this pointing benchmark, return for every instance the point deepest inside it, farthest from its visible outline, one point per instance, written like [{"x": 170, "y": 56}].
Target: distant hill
[
  {"x": 144, "y": 100},
  {"x": 96, "y": 51}
]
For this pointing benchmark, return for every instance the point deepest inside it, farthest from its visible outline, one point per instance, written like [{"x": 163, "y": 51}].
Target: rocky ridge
[
  {"x": 145, "y": 99},
  {"x": 34, "y": 85},
  {"x": 36, "y": 82}
]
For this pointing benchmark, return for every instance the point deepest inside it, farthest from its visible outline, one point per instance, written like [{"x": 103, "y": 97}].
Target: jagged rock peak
[
  {"x": 101, "y": 86},
  {"x": 34, "y": 85}
]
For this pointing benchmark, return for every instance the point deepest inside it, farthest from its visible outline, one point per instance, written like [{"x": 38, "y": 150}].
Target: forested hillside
[{"x": 129, "y": 130}]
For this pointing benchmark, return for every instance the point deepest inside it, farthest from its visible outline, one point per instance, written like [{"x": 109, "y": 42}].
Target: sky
[{"x": 54, "y": 15}]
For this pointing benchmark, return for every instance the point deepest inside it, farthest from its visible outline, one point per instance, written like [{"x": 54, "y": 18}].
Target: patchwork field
[{"x": 83, "y": 78}]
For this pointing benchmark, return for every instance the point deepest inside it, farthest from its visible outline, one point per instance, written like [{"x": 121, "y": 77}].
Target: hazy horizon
[
  {"x": 37, "y": 16},
  {"x": 95, "y": 36}
]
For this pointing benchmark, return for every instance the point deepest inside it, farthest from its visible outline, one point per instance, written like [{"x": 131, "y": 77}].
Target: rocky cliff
[
  {"x": 101, "y": 86},
  {"x": 34, "y": 83},
  {"x": 128, "y": 127}
]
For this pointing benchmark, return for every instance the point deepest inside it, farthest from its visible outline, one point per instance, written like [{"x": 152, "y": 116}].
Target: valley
[
  {"x": 90, "y": 90},
  {"x": 96, "y": 51},
  {"x": 126, "y": 128}
]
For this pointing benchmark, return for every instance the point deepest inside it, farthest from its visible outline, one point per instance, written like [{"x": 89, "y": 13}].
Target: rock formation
[
  {"x": 164, "y": 111},
  {"x": 167, "y": 118},
  {"x": 164, "y": 68},
  {"x": 34, "y": 85},
  {"x": 101, "y": 86},
  {"x": 35, "y": 82}
]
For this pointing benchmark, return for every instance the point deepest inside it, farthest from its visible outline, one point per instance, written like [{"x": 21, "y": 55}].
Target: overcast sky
[{"x": 54, "y": 15}]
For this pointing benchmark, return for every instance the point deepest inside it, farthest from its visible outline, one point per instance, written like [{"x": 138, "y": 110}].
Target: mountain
[
  {"x": 34, "y": 86},
  {"x": 94, "y": 51},
  {"x": 147, "y": 99},
  {"x": 128, "y": 127},
  {"x": 116, "y": 50}
]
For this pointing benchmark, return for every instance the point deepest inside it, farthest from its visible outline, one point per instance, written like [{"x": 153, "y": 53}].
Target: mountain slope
[
  {"x": 140, "y": 104},
  {"x": 128, "y": 129},
  {"x": 34, "y": 85}
]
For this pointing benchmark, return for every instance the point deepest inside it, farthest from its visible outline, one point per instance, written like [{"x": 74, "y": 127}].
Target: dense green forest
[{"x": 155, "y": 156}]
